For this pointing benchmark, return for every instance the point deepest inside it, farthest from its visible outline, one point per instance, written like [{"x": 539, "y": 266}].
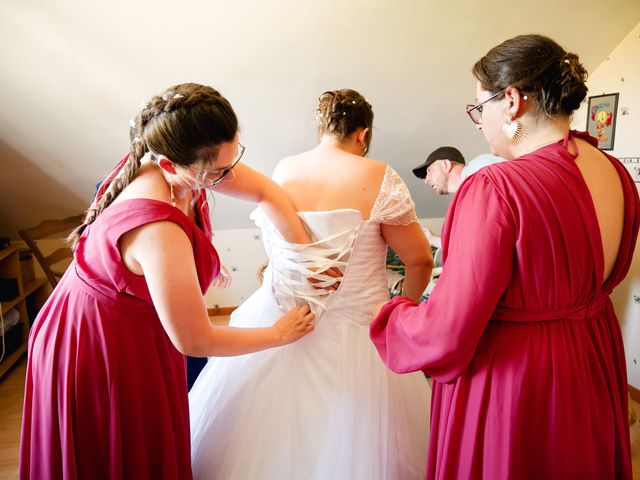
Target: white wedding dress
[{"x": 325, "y": 407}]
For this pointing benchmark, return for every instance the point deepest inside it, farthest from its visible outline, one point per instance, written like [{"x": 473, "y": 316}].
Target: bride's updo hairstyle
[
  {"x": 538, "y": 67},
  {"x": 342, "y": 112}
]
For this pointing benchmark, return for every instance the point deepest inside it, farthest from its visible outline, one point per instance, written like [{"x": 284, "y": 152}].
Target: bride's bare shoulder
[
  {"x": 376, "y": 170},
  {"x": 285, "y": 167}
]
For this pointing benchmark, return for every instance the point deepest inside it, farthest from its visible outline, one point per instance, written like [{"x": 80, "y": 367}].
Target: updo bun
[
  {"x": 538, "y": 66},
  {"x": 342, "y": 112}
]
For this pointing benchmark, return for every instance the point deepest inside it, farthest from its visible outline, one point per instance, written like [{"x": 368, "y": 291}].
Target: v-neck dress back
[{"x": 519, "y": 333}]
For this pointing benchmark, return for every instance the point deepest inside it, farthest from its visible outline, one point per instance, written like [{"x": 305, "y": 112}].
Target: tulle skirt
[{"x": 323, "y": 408}]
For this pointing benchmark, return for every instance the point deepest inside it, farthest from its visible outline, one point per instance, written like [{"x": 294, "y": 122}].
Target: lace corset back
[{"x": 293, "y": 269}]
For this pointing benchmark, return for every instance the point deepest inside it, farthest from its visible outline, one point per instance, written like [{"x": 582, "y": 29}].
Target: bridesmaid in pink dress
[
  {"x": 519, "y": 334},
  {"x": 106, "y": 389}
]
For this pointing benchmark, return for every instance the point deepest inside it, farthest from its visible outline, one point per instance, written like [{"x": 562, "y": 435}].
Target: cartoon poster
[{"x": 601, "y": 119}]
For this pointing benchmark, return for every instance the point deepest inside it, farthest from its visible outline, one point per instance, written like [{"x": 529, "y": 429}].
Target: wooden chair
[{"x": 50, "y": 228}]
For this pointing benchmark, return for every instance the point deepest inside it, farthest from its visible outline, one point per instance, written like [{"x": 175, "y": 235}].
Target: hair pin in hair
[
  {"x": 567, "y": 61},
  {"x": 178, "y": 95},
  {"x": 344, "y": 113},
  {"x": 132, "y": 123},
  {"x": 166, "y": 96},
  {"x": 353, "y": 101},
  {"x": 136, "y": 139}
]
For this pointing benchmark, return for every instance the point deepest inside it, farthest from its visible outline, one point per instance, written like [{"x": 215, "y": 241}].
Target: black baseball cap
[{"x": 441, "y": 153}]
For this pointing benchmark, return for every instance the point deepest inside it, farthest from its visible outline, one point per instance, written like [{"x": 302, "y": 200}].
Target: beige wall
[
  {"x": 620, "y": 73},
  {"x": 75, "y": 72}
]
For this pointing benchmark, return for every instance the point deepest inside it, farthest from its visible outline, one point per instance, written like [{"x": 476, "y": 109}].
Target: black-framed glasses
[
  {"x": 475, "y": 111},
  {"x": 210, "y": 178}
]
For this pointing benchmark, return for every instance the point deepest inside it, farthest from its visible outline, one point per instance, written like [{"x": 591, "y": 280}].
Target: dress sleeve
[
  {"x": 393, "y": 205},
  {"x": 440, "y": 336}
]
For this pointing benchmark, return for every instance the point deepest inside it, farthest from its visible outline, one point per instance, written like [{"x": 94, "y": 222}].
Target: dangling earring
[
  {"x": 511, "y": 130},
  {"x": 173, "y": 199}
]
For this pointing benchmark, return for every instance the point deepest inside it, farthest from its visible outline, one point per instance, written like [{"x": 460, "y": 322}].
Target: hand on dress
[
  {"x": 294, "y": 324},
  {"x": 223, "y": 280},
  {"x": 434, "y": 240},
  {"x": 333, "y": 272}
]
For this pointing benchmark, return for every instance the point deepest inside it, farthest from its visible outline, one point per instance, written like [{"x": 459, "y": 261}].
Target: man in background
[{"x": 444, "y": 170}]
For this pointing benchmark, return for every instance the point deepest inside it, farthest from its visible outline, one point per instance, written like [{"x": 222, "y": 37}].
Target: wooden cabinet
[{"x": 31, "y": 296}]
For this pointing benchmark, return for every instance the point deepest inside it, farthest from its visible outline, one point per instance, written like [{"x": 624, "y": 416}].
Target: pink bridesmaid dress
[
  {"x": 519, "y": 334},
  {"x": 106, "y": 390}
]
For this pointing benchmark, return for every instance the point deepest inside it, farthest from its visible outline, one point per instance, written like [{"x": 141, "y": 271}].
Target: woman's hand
[
  {"x": 332, "y": 272},
  {"x": 223, "y": 280},
  {"x": 294, "y": 325},
  {"x": 377, "y": 308}
]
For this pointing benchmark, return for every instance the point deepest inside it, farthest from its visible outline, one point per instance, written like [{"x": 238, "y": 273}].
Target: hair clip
[
  {"x": 178, "y": 95},
  {"x": 567, "y": 61},
  {"x": 353, "y": 101},
  {"x": 165, "y": 96},
  {"x": 132, "y": 123}
]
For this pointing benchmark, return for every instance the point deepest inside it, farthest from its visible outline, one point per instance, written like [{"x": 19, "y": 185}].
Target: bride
[{"x": 325, "y": 407}]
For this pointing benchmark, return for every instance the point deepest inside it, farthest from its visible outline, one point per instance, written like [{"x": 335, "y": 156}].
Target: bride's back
[{"x": 328, "y": 178}]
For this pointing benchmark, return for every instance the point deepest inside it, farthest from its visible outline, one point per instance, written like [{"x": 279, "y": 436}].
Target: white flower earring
[{"x": 511, "y": 130}]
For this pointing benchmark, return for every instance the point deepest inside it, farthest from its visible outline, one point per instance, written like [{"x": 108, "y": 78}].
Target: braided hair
[{"x": 186, "y": 123}]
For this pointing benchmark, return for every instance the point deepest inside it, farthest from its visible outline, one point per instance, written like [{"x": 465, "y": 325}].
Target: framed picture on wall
[
  {"x": 633, "y": 165},
  {"x": 601, "y": 119}
]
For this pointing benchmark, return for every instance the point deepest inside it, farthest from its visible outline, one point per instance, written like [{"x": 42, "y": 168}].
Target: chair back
[{"x": 50, "y": 228}]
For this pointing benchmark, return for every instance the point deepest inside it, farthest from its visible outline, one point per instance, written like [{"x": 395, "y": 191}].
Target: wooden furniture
[
  {"x": 49, "y": 228},
  {"x": 30, "y": 299}
]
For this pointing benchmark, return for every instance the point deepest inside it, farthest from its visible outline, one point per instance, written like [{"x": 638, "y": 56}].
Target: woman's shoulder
[
  {"x": 138, "y": 211},
  {"x": 285, "y": 167},
  {"x": 376, "y": 165},
  {"x": 346, "y": 167}
]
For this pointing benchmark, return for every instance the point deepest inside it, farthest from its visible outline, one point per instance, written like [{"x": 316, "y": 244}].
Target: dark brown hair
[
  {"x": 342, "y": 112},
  {"x": 539, "y": 67},
  {"x": 186, "y": 123}
]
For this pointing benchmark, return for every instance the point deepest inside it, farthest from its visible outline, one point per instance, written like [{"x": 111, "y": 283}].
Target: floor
[{"x": 11, "y": 391}]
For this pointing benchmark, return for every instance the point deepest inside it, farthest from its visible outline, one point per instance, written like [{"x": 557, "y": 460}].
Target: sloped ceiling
[{"x": 75, "y": 72}]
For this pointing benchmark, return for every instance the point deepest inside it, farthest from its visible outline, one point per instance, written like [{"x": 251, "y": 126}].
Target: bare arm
[
  {"x": 409, "y": 242},
  {"x": 164, "y": 253},
  {"x": 251, "y": 185}
]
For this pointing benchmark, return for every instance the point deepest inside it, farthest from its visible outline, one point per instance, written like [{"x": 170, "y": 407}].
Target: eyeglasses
[
  {"x": 210, "y": 178},
  {"x": 475, "y": 111}
]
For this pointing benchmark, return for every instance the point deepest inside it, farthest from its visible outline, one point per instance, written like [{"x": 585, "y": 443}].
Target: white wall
[
  {"x": 74, "y": 72},
  {"x": 242, "y": 251},
  {"x": 620, "y": 72}
]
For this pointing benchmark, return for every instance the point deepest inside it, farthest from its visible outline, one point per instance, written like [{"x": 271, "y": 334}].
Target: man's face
[{"x": 437, "y": 176}]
